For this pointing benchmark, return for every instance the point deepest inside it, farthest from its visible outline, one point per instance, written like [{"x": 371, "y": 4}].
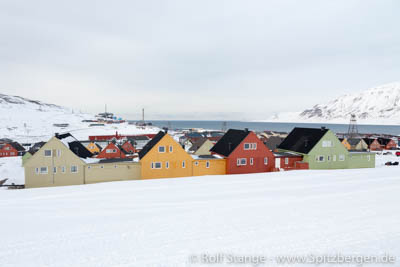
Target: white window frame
[
  {"x": 286, "y": 161},
  {"x": 167, "y": 164},
  {"x": 54, "y": 170},
  {"x": 342, "y": 157},
  {"x": 253, "y": 146},
  {"x": 159, "y": 147},
  {"x": 369, "y": 157},
  {"x": 246, "y": 144},
  {"x": 196, "y": 163},
  {"x": 63, "y": 169},
  {"x": 37, "y": 170},
  {"x": 44, "y": 172},
  {"x": 58, "y": 152},
  {"x": 153, "y": 165},
  {"x": 183, "y": 164},
  {"x": 241, "y": 162},
  {"x": 251, "y": 161},
  {"x": 109, "y": 151},
  {"x": 265, "y": 161},
  {"x": 319, "y": 158},
  {"x": 72, "y": 166},
  {"x": 207, "y": 164},
  {"x": 327, "y": 143},
  {"x": 46, "y": 150},
  {"x": 171, "y": 149},
  {"x": 334, "y": 157}
]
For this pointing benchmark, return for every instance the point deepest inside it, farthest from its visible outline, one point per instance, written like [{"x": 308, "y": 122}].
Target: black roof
[
  {"x": 139, "y": 137},
  {"x": 151, "y": 144},
  {"x": 17, "y": 146},
  {"x": 35, "y": 148},
  {"x": 228, "y": 143},
  {"x": 273, "y": 142},
  {"x": 75, "y": 146},
  {"x": 384, "y": 141},
  {"x": 354, "y": 141},
  {"x": 302, "y": 140},
  {"x": 369, "y": 141},
  {"x": 197, "y": 144}
]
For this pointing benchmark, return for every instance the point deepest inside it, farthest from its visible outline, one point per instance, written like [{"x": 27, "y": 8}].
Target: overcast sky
[{"x": 240, "y": 60}]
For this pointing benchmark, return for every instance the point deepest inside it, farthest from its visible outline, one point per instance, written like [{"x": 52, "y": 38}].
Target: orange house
[
  {"x": 163, "y": 157},
  {"x": 94, "y": 148}
]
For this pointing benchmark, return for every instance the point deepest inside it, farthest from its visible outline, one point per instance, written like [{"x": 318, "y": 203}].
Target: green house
[{"x": 321, "y": 149}]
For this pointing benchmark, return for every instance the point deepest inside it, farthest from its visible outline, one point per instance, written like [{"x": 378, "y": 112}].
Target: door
[{"x": 278, "y": 163}]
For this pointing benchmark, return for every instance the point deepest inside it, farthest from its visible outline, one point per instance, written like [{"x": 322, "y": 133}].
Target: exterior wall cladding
[{"x": 258, "y": 156}]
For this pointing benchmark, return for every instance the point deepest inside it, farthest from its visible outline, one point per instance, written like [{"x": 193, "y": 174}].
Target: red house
[
  {"x": 373, "y": 144},
  {"x": 11, "y": 150},
  {"x": 128, "y": 147},
  {"x": 289, "y": 161},
  {"x": 116, "y": 136},
  {"x": 387, "y": 143},
  {"x": 112, "y": 151},
  {"x": 244, "y": 152}
]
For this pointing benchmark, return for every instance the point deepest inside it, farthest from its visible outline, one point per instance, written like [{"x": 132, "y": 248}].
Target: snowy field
[{"x": 167, "y": 222}]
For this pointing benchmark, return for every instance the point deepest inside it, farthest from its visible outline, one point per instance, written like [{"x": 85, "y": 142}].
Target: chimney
[
  {"x": 323, "y": 128},
  {"x": 165, "y": 129},
  {"x": 246, "y": 130},
  {"x": 56, "y": 135}
]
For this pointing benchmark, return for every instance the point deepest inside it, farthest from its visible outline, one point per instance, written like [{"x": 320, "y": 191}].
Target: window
[
  {"x": 12, "y": 153},
  {"x": 334, "y": 157},
  {"x": 54, "y": 169},
  {"x": 369, "y": 157},
  {"x": 183, "y": 164},
  {"x": 102, "y": 166},
  {"x": 254, "y": 146},
  {"x": 207, "y": 164},
  {"x": 74, "y": 169},
  {"x": 89, "y": 167},
  {"x": 320, "y": 158},
  {"x": 327, "y": 143},
  {"x": 156, "y": 165},
  {"x": 43, "y": 170},
  {"x": 171, "y": 148},
  {"x": 341, "y": 157},
  {"x": 265, "y": 161},
  {"x": 286, "y": 161},
  {"x": 7, "y": 148},
  {"x": 329, "y": 158},
  {"x": 167, "y": 165},
  {"x": 250, "y": 146},
  {"x": 161, "y": 149},
  {"x": 246, "y": 146},
  {"x": 196, "y": 163},
  {"x": 47, "y": 153},
  {"x": 251, "y": 161},
  {"x": 115, "y": 166},
  {"x": 37, "y": 170},
  {"x": 111, "y": 150},
  {"x": 241, "y": 161},
  {"x": 58, "y": 153},
  {"x": 63, "y": 169}
]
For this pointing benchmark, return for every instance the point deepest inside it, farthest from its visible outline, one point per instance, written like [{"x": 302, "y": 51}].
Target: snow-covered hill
[
  {"x": 378, "y": 105},
  {"x": 26, "y": 120}
]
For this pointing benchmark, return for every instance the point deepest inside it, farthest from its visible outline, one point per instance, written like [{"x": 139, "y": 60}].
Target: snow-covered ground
[{"x": 169, "y": 222}]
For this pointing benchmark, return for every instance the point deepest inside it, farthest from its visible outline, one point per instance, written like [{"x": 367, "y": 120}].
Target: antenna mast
[{"x": 353, "y": 128}]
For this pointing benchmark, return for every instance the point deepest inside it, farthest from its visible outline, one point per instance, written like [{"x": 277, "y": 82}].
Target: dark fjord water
[{"x": 274, "y": 126}]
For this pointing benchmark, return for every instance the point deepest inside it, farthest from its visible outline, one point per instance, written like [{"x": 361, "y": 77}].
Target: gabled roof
[
  {"x": 302, "y": 140},
  {"x": 228, "y": 143},
  {"x": 384, "y": 141},
  {"x": 197, "y": 144},
  {"x": 74, "y": 145},
  {"x": 369, "y": 141},
  {"x": 151, "y": 144},
  {"x": 354, "y": 141},
  {"x": 35, "y": 148},
  {"x": 17, "y": 146},
  {"x": 273, "y": 142}
]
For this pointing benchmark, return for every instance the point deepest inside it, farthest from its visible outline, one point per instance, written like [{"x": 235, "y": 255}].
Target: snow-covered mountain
[
  {"x": 26, "y": 120},
  {"x": 378, "y": 105}
]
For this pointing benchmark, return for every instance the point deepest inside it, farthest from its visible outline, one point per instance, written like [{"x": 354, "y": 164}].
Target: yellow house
[
  {"x": 346, "y": 144},
  {"x": 163, "y": 157},
  {"x": 208, "y": 165},
  {"x": 94, "y": 148}
]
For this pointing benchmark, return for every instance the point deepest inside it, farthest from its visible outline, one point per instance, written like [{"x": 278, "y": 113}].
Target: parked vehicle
[{"x": 398, "y": 153}]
